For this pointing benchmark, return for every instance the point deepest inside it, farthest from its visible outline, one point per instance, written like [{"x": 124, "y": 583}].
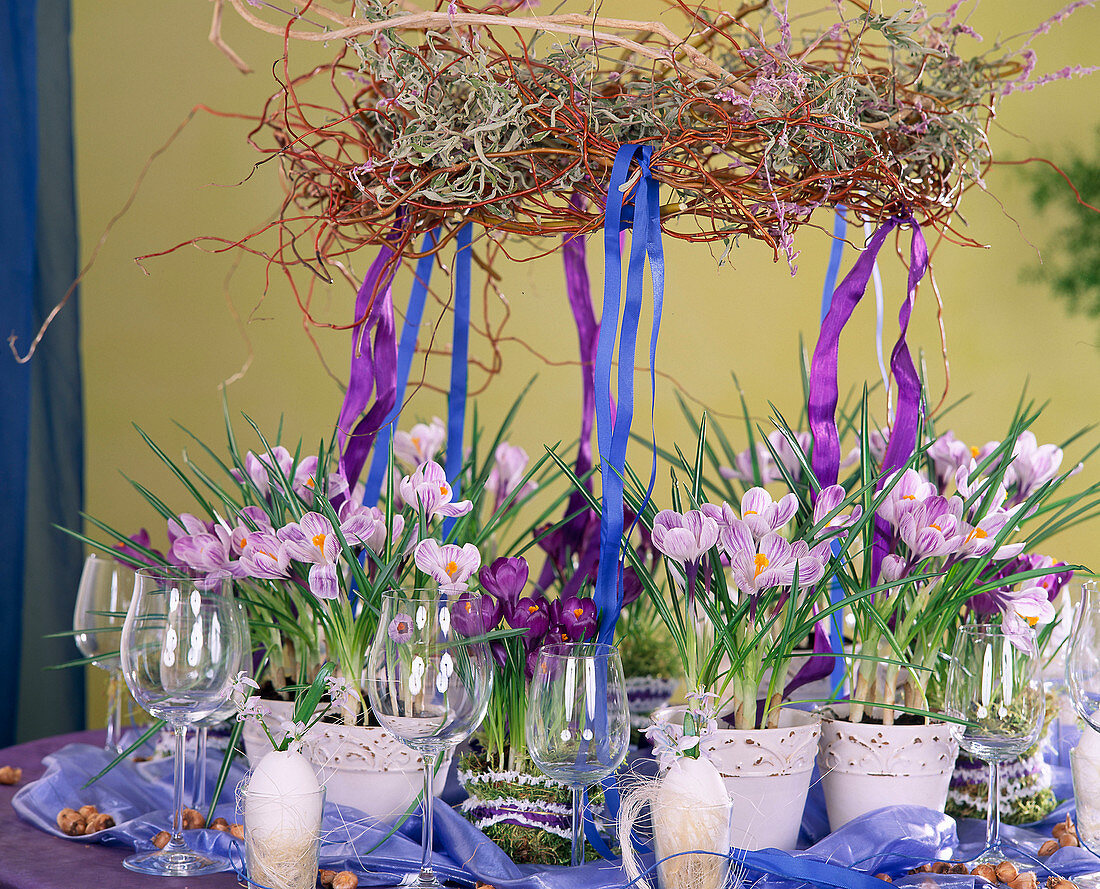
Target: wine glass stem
[
  {"x": 431, "y": 765},
  {"x": 176, "y": 843},
  {"x": 198, "y": 773},
  {"x": 576, "y": 857},
  {"x": 114, "y": 711},
  {"x": 993, "y": 816}
]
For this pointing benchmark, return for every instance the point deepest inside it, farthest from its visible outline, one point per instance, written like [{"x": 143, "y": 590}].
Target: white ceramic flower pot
[
  {"x": 767, "y": 775},
  {"x": 368, "y": 768},
  {"x": 866, "y": 766}
]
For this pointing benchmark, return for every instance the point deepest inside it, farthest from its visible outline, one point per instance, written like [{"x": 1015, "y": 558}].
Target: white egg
[{"x": 283, "y": 796}]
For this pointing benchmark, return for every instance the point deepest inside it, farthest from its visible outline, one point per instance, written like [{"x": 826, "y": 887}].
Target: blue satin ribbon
[
  {"x": 460, "y": 349},
  {"x": 836, "y": 591},
  {"x": 613, "y": 432},
  {"x": 406, "y": 349}
]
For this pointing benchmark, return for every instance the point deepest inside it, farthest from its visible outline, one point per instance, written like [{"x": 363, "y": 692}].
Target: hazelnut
[
  {"x": 939, "y": 867},
  {"x": 1062, "y": 826},
  {"x": 1060, "y": 883},
  {"x": 886, "y": 878},
  {"x": 1048, "y": 848},
  {"x": 193, "y": 819},
  {"x": 985, "y": 872},
  {"x": 99, "y": 821},
  {"x": 1006, "y": 871},
  {"x": 162, "y": 839},
  {"x": 86, "y": 812},
  {"x": 1069, "y": 839},
  {"x": 923, "y": 869},
  {"x": 71, "y": 823},
  {"x": 958, "y": 868},
  {"x": 326, "y": 877},
  {"x": 1026, "y": 880},
  {"x": 237, "y": 830},
  {"x": 10, "y": 775},
  {"x": 219, "y": 824},
  {"x": 345, "y": 880}
]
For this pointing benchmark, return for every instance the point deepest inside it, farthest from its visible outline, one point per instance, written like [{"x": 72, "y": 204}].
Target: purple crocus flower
[
  {"x": 1032, "y": 465},
  {"x": 132, "y": 557},
  {"x": 532, "y": 613},
  {"x": 574, "y": 619},
  {"x": 314, "y": 541},
  {"x": 400, "y": 628},
  {"x": 505, "y": 579},
  {"x": 932, "y": 528},
  {"x": 450, "y": 565},
  {"x": 420, "y": 444},
  {"x": 764, "y": 515},
  {"x": 264, "y": 556},
  {"x": 208, "y": 552},
  {"x": 473, "y": 615},
  {"x": 510, "y": 463},
  {"x": 632, "y": 585},
  {"x": 428, "y": 491},
  {"x": 909, "y": 491},
  {"x": 684, "y": 538}
]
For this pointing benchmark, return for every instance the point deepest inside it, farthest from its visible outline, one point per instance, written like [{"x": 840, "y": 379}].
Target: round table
[{"x": 32, "y": 859}]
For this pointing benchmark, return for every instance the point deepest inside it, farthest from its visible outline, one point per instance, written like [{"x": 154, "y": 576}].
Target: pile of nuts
[
  {"x": 10, "y": 775},
  {"x": 1004, "y": 873},
  {"x": 195, "y": 820},
  {"x": 345, "y": 879},
  {"x": 1065, "y": 834},
  {"x": 83, "y": 821}
]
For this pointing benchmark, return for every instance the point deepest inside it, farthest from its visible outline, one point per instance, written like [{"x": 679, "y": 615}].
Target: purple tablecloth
[
  {"x": 33, "y": 859},
  {"x": 891, "y": 839}
]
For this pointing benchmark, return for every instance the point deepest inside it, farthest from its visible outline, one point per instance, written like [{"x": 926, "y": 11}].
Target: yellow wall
[{"x": 157, "y": 346}]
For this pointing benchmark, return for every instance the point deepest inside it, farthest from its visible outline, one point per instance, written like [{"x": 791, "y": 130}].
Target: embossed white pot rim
[{"x": 867, "y": 766}]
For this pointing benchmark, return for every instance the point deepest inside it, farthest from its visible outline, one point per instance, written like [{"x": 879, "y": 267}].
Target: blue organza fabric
[{"x": 891, "y": 840}]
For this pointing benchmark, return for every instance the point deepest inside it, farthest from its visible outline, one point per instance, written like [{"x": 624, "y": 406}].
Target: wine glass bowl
[
  {"x": 578, "y": 719},
  {"x": 181, "y": 648},
  {"x": 1083, "y": 660},
  {"x": 102, "y": 599},
  {"x": 1083, "y": 685},
  {"x": 429, "y": 679},
  {"x": 994, "y": 685}
]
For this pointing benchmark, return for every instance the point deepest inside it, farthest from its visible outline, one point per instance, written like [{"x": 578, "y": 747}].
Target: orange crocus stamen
[
  {"x": 319, "y": 541},
  {"x": 531, "y": 609},
  {"x": 761, "y": 562},
  {"x": 469, "y": 607},
  {"x": 451, "y": 568},
  {"x": 444, "y": 490},
  {"x": 974, "y": 452},
  {"x": 577, "y": 612},
  {"x": 977, "y": 532},
  {"x": 244, "y": 542}
]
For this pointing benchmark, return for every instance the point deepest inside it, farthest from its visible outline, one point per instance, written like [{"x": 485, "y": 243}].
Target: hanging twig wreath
[{"x": 499, "y": 114}]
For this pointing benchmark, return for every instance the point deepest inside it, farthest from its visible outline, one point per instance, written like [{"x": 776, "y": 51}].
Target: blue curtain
[{"x": 41, "y": 411}]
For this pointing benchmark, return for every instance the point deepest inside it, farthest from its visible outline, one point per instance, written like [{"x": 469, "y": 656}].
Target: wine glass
[
  {"x": 181, "y": 646},
  {"x": 429, "y": 679},
  {"x": 993, "y": 683},
  {"x": 226, "y": 710},
  {"x": 578, "y": 719},
  {"x": 102, "y": 597},
  {"x": 1083, "y": 684}
]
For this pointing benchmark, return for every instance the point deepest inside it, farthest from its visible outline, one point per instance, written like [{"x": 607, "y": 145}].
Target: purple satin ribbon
[
  {"x": 373, "y": 367},
  {"x": 824, "y": 392}
]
